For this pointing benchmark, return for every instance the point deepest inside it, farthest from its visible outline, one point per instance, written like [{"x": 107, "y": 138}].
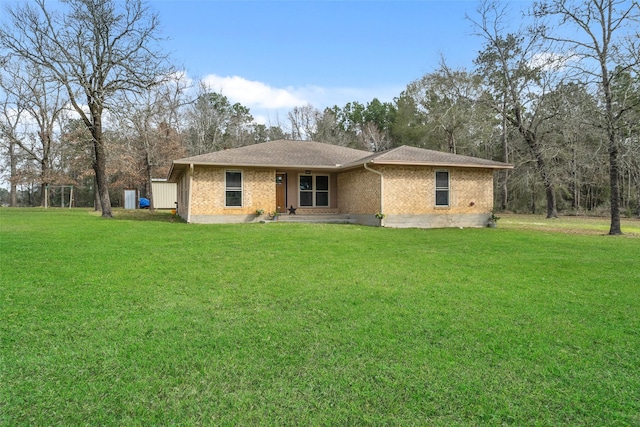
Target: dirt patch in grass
[{"x": 161, "y": 215}]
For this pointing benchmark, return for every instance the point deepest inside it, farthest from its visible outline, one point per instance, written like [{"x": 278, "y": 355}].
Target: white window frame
[
  {"x": 438, "y": 189},
  {"x": 314, "y": 190},
  {"x": 240, "y": 189}
]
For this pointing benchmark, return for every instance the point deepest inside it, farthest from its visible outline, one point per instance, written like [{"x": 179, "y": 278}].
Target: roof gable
[
  {"x": 281, "y": 153},
  {"x": 407, "y": 155}
]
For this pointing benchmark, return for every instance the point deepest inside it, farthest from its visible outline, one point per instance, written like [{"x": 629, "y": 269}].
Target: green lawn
[
  {"x": 568, "y": 224},
  {"x": 143, "y": 321}
]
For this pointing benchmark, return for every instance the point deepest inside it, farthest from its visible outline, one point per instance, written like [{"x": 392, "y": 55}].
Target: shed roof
[{"x": 316, "y": 155}]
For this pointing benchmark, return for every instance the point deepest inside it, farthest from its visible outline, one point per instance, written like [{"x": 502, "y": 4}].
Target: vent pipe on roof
[{"x": 381, "y": 190}]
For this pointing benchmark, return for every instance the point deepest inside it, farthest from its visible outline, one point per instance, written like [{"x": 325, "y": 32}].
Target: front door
[{"x": 281, "y": 192}]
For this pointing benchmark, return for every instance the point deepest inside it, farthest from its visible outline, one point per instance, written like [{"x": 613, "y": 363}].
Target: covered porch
[{"x": 306, "y": 192}]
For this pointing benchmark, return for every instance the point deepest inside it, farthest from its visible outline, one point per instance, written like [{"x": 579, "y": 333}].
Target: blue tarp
[{"x": 144, "y": 203}]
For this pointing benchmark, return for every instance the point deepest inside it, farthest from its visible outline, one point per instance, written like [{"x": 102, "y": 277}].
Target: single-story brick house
[{"x": 412, "y": 187}]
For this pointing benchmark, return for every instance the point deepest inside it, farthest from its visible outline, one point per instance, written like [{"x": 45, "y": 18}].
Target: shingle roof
[
  {"x": 309, "y": 154},
  {"x": 281, "y": 153},
  {"x": 420, "y": 156}
]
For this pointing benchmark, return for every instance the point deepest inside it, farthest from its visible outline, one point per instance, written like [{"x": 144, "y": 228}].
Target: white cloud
[
  {"x": 253, "y": 93},
  {"x": 270, "y": 105},
  {"x": 550, "y": 61}
]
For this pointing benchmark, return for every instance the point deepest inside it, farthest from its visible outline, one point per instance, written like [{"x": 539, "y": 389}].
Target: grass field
[
  {"x": 143, "y": 321},
  {"x": 568, "y": 224}
]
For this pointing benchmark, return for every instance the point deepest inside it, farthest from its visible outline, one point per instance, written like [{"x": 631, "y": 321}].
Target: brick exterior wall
[
  {"x": 409, "y": 195},
  {"x": 208, "y": 191},
  {"x": 358, "y": 192},
  {"x": 411, "y": 190}
]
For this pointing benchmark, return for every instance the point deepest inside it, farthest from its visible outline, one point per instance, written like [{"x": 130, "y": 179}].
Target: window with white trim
[
  {"x": 233, "y": 188},
  {"x": 314, "y": 190},
  {"x": 442, "y": 188}
]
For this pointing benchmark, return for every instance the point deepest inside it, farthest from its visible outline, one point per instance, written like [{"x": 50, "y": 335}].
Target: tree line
[{"x": 89, "y": 98}]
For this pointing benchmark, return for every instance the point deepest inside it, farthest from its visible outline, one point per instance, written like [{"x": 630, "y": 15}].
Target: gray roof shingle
[
  {"x": 281, "y": 153},
  {"x": 310, "y": 154},
  {"x": 421, "y": 156}
]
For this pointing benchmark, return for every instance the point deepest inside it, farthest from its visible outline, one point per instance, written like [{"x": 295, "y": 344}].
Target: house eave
[
  {"x": 177, "y": 167},
  {"x": 176, "y": 170},
  {"x": 442, "y": 164}
]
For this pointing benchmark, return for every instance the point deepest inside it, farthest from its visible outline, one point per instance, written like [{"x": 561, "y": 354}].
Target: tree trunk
[
  {"x": 505, "y": 191},
  {"x": 574, "y": 185},
  {"x": 100, "y": 165},
  {"x": 44, "y": 172},
  {"x": 615, "y": 228},
  {"x": 552, "y": 211},
  {"x": 638, "y": 201},
  {"x": 13, "y": 195},
  {"x": 451, "y": 141},
  {"x": 100, "y": 168},
  {"x": 505, "y": 156},
  {"x": 147, "y": 165},
  {"x": 13, "y": 199},
  {"x": 97, "y": 206},
  {"x": 613, "y": 153}
]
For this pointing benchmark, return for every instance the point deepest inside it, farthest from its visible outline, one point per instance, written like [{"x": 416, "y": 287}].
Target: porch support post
[{"x": 190, "y": 192}]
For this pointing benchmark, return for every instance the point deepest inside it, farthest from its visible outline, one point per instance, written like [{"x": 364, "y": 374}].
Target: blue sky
[{"x": 274, "y": 55}]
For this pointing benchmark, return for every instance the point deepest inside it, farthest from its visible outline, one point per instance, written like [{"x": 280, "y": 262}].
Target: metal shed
[{"x": 165, "y": 194}]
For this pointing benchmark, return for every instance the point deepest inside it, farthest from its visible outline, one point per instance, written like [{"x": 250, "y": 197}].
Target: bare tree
[
  {"x": 204, "y": 121},
  {"x": 149, "y": 121},
  {"x": 357, "y": 125},
  {"x": 329, "y": 130},
  {"x": 42, "y": 103},
  {"x": 303, "y": 122},
  {"x": 373, "y": 138},
  {"x": 96, "y": 49},
  {"x": 449, "y": 102},
  {"x": 215, "y": 124},
  {"x": 604, "y": 45},
  {"x": 520, "y": 76},
  {"x": 9, "y": 121}
]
